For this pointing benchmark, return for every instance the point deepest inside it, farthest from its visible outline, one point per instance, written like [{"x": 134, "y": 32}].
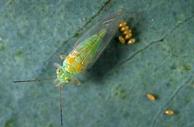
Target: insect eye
[{"x": 58, "y": 70}]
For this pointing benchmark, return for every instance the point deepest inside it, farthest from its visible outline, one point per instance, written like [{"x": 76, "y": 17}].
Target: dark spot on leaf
[
  {"x": 126, "y": 114},
  {"x": 173, "y": 67},
  {"x": 184, "y": 68},
  {"x": 168, "y": 84},
  {"x": 50, "y": 125},
  {"x": 19, "y": 54},
  {"x": 161, "y": 39},
  {"x": 10, "y": 123},
  {"x": 120, "y": 93},
  {"x": 76, "y": 34},
  {"x": 11, "y": 2}
]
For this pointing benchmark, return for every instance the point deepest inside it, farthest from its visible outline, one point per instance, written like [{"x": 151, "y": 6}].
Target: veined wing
[
  {"x": 81, "y": 56},
  {"x": 110, "y": 26}
]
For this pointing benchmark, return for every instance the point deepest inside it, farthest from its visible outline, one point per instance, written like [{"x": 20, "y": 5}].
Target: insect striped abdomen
[{"x": 80, "y": 57}]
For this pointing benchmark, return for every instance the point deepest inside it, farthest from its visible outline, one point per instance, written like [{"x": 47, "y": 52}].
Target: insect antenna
[
  {"x": 33, "y": 80},
  {"x": 61, "y": 105}
]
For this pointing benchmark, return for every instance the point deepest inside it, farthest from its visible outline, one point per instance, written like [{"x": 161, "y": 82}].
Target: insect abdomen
[{"x": 81, "y": 56}]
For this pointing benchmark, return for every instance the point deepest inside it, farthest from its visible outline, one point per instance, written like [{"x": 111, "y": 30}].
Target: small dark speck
[
  {"x": 11, "y": 2},
  {"x": 77, "y": 34},
  {"x": 2, "y": 46},
  {"x": 162, "y": 39},
  {"x": 19, "y": 53},
  {"x": 173, "y": 67},
  {"x": 50, "y": 125},
  {"x": 120, "y": 93},
  {"x": 168, "y": 84}
]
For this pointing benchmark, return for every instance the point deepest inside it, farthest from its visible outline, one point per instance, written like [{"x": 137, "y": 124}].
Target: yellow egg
[
  {"x": 131, "y": 41},
  {"x": 121, "y": 40},
  {"x": 169, "y": 112},
  {"x": 129, "y": 31},
  {"x": 124, "y": 28},
  {"x": 122, "y": 24},
  {"x": 151, "y": 96},
  {"x": 128, "y": 36}
]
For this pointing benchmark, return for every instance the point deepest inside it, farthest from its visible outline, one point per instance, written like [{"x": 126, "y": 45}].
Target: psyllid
[{"x": 86, "y": 51}]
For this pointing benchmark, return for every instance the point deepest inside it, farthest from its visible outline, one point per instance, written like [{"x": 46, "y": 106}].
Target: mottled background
[{"x": 33, "y": 33}]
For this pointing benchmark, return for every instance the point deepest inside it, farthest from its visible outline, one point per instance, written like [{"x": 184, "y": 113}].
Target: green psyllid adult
[{"x": 85, "y": 52}]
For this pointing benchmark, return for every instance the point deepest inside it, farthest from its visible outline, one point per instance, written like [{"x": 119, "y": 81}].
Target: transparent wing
[{"x": 110, "y": 24}]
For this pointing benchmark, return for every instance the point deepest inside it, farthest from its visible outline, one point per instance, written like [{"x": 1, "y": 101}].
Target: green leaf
[{"x": 34, "y": 33}]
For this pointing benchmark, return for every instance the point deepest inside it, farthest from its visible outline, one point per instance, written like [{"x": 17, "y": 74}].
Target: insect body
[
  {"x": 78, "y": 60},
  {"x": 88, "y": 49}
]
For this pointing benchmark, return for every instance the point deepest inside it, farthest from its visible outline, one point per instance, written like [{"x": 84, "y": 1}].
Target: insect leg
[
  {"x": 62, "y": 57},
  {"x": 76, "y": 81},
  {"x": 61, "y": 105}
]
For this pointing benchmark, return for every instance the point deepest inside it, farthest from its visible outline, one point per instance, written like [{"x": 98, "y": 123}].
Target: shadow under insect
[
  {"x": 114, "y": 53},
  {"x": 108, "y": 59}
]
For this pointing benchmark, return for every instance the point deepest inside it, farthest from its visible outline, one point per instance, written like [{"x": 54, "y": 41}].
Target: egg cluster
[{"x": 126, "y": 33}]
